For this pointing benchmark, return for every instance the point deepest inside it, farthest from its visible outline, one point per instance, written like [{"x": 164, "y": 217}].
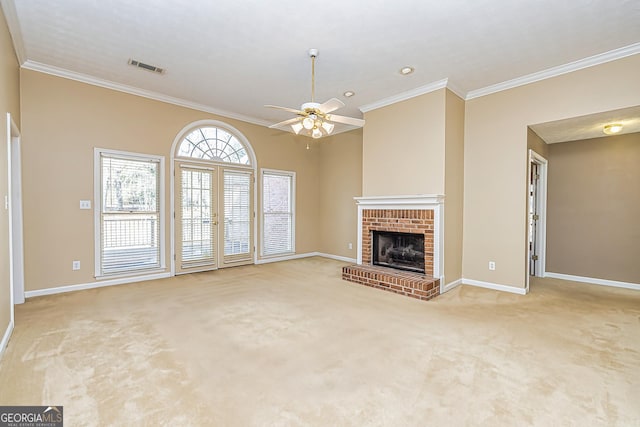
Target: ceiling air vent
[{"x": 147, "y": 67}]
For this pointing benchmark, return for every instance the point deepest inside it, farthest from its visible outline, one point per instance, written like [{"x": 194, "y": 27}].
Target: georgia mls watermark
[{"x": 31, "y": 416}]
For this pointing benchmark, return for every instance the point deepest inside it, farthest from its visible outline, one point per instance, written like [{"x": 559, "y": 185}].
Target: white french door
[
  {"x": 213, "y": 217},
  {"x": 237, "y": 217},
  {"x": 196, "y": 218}
]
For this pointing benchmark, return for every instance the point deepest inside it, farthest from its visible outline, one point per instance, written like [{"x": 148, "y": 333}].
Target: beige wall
[
  {"x": 537, "y": 144},
  {"x": 454, "y": 187},
  {"x": 63, "y": 120},
  {"x": 341, "y": 181},
  {"x": 9, "y": 103},
  {"x": 594, "y": 208},
  {"x": 403, "y": 150},
  {"x": 496, "y": 158}
]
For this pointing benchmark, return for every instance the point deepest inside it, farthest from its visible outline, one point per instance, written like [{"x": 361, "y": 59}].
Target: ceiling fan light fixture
[
  {"x": 328, "y": 127},
  {"x": 308, "y": 123},
  {"x": 612, "y": 128},
  {"x": 316, "y": 133},
  {"x": 297, "y": 127}
]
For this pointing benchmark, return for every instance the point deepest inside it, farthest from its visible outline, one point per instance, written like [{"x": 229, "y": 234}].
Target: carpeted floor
[{"x": 291, "y": 344}]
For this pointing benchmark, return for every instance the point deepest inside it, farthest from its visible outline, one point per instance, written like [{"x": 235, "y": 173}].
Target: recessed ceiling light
[
  {"x": 349, "y": 93},
  {"x": 612, "y": 129},
  {"x": 406, "y": 70}
]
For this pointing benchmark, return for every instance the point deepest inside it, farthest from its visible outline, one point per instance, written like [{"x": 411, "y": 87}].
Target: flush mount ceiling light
[
  {"x": 349, "y": 93},
  {"x": 313, "y": 119},
  {"x": 406, "y": 70},
  {"x": 612, "y": 128}
]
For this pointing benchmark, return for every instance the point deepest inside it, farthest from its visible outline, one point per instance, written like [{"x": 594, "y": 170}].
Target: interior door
[
  {"x": 534, "y": 179},
  {"x": 196, "y": 218}
]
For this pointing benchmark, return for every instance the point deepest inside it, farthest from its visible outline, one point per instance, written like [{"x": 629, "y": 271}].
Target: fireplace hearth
[{"x": 404, "y": 251}]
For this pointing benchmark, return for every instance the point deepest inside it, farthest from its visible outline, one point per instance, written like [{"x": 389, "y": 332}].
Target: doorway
[
  {"x": 213, "y": 217},
  {"x": 213, "y": 198},
  {"x": 536, "y": 215},
  {"x": 14, "y": 202}
]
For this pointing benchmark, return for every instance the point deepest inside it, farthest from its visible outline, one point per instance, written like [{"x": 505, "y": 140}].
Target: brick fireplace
[{"x": 400, "y": 214}]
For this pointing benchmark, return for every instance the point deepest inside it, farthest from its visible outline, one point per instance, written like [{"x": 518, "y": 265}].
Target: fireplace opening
[{"x": 404, "y": 251}]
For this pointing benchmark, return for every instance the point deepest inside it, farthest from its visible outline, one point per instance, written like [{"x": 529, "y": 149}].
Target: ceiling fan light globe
[
  {"x": 308, "y": 123},
  {"x": 328, "y": 127},
  {"x": 297, "y": 127},
  {"x": 317, "y": 133}
]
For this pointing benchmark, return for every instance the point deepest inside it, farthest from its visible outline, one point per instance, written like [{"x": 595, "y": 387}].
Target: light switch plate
[{"x": 85, "y": 204}]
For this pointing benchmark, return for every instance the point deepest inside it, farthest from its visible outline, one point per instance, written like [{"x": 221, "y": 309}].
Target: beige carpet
[{"x": 291, "y": 344}]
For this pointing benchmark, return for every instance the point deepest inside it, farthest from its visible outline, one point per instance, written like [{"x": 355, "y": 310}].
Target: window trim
[
  {"x": 97, "y": 209},
  {"x": 292, "y": 175}
]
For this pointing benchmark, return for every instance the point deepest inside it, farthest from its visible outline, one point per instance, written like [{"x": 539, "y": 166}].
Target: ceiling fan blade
[
  {"x": 331, "y": 105},
  {"x": 291, "y": 110},
  {"x": 286, "y": 122},
  {"x": 345, "y": 120}
]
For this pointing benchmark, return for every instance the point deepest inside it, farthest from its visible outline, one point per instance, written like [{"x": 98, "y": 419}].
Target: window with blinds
[
  {"x": 278, "y": 221},
  {"x": 129, "y": 237}
]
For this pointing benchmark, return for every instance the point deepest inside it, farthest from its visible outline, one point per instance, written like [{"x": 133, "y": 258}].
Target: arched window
[{"x": 214, "y": 143}]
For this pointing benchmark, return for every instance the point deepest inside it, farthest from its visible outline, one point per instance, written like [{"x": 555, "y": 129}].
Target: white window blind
[
  {"x": 237, "y": 213},
  {"x": 129, "y": 214},
  {"x": 278, "y": 189},
  {"x": 198, "y": 247}
]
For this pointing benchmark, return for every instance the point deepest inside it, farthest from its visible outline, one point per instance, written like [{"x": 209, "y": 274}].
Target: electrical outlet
[
  {"x": 492, "y": 265},
  {"x": 75, "y": 265},
  {"x": 85, "y": 204},
  {"x": 350, "y": 245}
]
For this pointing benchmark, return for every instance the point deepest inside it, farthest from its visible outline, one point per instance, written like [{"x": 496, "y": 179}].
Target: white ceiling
[
  {"x": 234, "y": 56},
  {"x": 587, "y": 127}
]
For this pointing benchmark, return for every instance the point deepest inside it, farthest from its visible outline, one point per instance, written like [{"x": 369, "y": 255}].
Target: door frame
[
  {"x": 16, "y": 236},
  {"x": 254, "y": 167},
  {"x": 541, "y": 229}
]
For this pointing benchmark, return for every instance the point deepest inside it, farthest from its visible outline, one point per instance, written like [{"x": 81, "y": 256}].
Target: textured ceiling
[
  {"x": 233, "y": 56},
  {"x": 587, "y": 127}
]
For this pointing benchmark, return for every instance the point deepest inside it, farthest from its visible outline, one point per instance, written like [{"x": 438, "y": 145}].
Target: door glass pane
[
  {"x": 197, "y": 218},
  {"x": 237, "y": 213}
]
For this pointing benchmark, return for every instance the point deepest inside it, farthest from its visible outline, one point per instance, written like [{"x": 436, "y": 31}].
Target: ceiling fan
[{"x": 314, "y": 119}]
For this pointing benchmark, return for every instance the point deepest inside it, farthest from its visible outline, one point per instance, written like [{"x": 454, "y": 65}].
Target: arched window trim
[{"x": 216, "y": 124}]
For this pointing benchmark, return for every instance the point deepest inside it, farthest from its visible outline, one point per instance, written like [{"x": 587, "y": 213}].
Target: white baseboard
[
  {"x": 305, "y": 255},
  {"x": 495, "y": 286},
  {"x": 285, "y": 258},
  {"x": 451, "y": 285},
  {"x": 336, "y": 257},
  {"x": 92, "y": 285},
  {"x": 593, "y": 281},
  {"x": 5, "y": 338}
]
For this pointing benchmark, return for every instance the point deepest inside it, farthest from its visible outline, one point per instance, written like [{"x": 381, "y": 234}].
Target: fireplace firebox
[{"x": 404, "y": 251}]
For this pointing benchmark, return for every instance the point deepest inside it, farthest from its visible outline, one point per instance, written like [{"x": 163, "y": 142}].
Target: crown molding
[
  {"x": 13, "y": 23},
  {"x": 580, "y": 64},
  {"x": 84, "y": 78},
  {"x": 403, "y": 96},
  {"x": 455, "y": 89}
]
